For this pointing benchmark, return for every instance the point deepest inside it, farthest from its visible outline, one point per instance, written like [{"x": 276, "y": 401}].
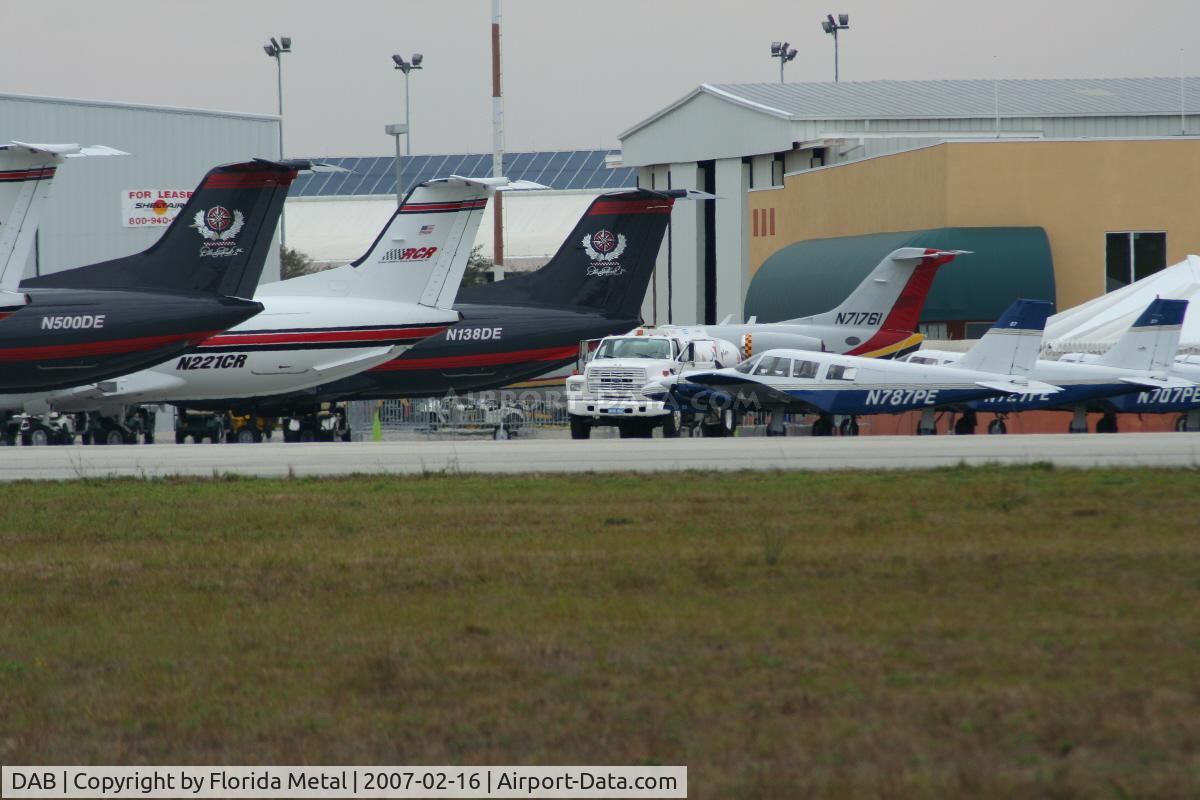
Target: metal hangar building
[{"x": 1064, "y": 189}]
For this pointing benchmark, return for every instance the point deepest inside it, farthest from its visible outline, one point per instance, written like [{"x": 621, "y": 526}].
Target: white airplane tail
[
  {"x": 26, "y": 173},
  {"x": 421, "y": 254},
  {"x": 893, "y": 294},
  {"x": 1151, "y": 341},
  {"x": 1011, "y": 346}
]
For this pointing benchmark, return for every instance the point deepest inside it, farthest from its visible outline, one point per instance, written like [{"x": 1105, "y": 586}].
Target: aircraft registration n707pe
[{"x": 824, "y": 383}]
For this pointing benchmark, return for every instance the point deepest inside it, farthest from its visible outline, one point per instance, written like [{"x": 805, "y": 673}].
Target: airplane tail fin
[
  {"x": 1150, "y": 343},
  {"x": 26, "y": 173},
  {"x": 218, "y": 243},
  {"x": 1011, "y": 346},
  {"x": 605, "y": 264},
  {"x": 892, "y": 296},
  {"x": 419, "y": 256}
]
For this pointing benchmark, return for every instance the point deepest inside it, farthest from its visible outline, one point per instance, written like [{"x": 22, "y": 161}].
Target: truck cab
[{"x": 608, "y": 391}]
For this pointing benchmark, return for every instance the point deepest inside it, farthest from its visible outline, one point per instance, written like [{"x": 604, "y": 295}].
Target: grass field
[{"x": 992, "y": 632}]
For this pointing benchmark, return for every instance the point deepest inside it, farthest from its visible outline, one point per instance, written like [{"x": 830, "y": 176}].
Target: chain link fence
[{"x": 500, "y": 414}]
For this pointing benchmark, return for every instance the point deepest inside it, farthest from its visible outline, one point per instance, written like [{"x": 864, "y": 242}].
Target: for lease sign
[{"x": 143, "y": 208}]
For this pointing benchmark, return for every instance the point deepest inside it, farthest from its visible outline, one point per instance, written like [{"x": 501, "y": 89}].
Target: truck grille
[{"x": 616, "y": 383}]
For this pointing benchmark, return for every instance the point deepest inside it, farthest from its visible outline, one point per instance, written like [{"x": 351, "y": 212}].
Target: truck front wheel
[{"x": 580, "y": 428}]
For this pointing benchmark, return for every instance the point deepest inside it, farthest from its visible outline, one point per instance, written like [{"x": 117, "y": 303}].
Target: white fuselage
[{"x": 295, "y": 343}]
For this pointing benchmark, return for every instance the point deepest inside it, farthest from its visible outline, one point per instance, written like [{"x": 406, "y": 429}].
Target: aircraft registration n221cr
[
  {"x": 810, "y": 382},
  {"x": 329, "y": 324},
  {"x": 103, "y": 320},
  {"x": 524, "y": 326}
]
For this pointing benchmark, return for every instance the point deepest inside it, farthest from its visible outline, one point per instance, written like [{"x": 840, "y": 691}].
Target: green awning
[{"x": 818, "y": 274}]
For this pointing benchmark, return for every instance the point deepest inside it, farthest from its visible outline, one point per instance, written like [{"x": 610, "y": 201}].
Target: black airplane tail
[
  {"x": 217, "y": 244},
  {"x": 604, "y": 265}
]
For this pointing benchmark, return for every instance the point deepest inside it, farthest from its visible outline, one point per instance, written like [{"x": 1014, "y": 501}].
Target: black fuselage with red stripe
[
  {"x": 530, "y": 324},
  {"x": 68, "y": 337}
]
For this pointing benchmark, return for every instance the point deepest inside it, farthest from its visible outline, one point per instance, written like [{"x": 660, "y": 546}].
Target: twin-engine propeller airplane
[
  {"x": 784, "y": 380},
  {"x": 107, "y": 319}
]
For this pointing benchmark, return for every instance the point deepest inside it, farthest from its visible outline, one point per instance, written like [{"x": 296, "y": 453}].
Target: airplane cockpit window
[
  {"x": 636, "y": 347},
  {"x": 838, "y": 372},
  {"x": 747, "y": 366},
  {"x": 922, "y": 360},
  {"x": 804, "y": 369},
  {"x": 773, "y": 366}
]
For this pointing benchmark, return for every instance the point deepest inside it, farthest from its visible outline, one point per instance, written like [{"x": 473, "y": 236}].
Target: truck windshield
[{"x": 634, "y": 347}]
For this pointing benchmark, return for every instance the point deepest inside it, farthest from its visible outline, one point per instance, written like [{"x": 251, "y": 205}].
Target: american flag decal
[{"x": 426, "y": 230}]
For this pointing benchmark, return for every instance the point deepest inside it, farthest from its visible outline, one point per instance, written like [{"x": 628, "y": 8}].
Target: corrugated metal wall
[{"x": 170, "y": 149}]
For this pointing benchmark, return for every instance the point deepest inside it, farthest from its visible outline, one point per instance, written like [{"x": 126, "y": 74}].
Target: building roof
[
  {"x": 1056, "y": 97},
  {"x": 561, "y": 169}
]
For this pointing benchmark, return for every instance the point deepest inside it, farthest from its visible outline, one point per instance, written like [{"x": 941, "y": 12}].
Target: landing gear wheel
[
  {"x": 849, "y": 427},
  {"x": 1181, "y": 423},
  {"x": 671, "y": 425},
  {"x": 729, "y": 422},
  {"x": 38, "y": 437},
  {"x": 823, "y": 426},
  {"x": 501, "y": 433},
  {"x": 247, "y": 435},
  {"x": 965, "y": 425},
  {"x": 580, "y": 428},
  {"x": 114, "y": 436},
  {"x": 997, "y": 427},
  {"x": 1107, "y": 424}
]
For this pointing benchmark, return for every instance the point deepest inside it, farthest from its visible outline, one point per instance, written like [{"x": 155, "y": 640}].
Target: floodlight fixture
[
  {"x": 832, "y": 26},
  {"x": 406, "y": 67},
  {"x": 784, "y": 52}
]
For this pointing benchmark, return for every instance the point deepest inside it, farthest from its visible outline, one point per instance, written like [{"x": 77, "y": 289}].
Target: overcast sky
[{"x": 576, "y": 73}]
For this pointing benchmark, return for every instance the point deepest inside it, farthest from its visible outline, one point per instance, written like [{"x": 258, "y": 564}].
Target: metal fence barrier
[{"x": 506, "y": 412}]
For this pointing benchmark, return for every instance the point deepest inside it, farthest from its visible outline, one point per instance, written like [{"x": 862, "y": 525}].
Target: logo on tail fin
[
  {"x": 603, "y": 248},
  {"x": 219, "y": 227}
]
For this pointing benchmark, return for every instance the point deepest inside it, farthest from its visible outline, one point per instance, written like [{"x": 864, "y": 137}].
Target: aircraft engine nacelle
[{"x": 750, "y": 344}]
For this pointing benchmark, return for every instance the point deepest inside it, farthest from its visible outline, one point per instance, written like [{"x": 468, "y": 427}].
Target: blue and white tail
[
  {"x": 419, "y": 256},
  {"x": 1151, "y": 341},
  {"x": 1011, "y": 346}
]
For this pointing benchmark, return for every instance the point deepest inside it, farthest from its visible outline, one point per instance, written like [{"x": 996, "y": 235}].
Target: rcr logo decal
[
  {"x": 408, "y": 254},
  {"x": 74, "y": 323}
]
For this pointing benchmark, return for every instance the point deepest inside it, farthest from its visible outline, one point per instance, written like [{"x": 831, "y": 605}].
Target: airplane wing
[
  {"x": 1022, "y": 387},
  {"x": 1170, "y": 382},
  {"x": 367, "y": 358}
]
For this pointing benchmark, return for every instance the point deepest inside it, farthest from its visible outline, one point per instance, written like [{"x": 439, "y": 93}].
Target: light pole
[
  {"x": 784, "y": 52},
  {"x": 397, "y": 130},
  {"x": 406, "y": 67},
  {"x": 275, "y": 50},
  {"x": 830, "y": 26}
]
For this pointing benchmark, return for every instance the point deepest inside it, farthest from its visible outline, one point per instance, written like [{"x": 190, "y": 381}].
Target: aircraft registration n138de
[
  {"x": 803, "y": 381},
  {"x": 106, "y": 319},
  {"x": 326, "y": 325}
]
